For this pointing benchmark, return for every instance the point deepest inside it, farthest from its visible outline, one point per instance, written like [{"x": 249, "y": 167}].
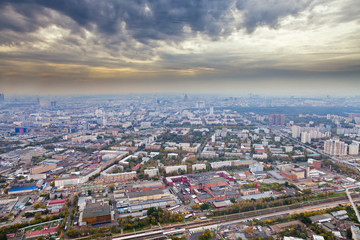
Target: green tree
[
  {"x": 37, "y": 216},
  {"x": 348, "y": 233},
  {"x": 37, "y": 205},
  {"x": 207, "y": 235},
  {"x": 205, "y": 206},
  {"x": 73, "y": 233}
]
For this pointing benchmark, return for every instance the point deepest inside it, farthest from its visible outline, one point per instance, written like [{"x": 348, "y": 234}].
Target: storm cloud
[
  {"x": 78, "y": 40},
  {"x": 151, "y": 20}
]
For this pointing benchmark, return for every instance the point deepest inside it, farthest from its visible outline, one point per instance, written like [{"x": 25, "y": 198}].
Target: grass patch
[
  {"x": 328, "y": 196},
  {"x": 137, "y": 229}
]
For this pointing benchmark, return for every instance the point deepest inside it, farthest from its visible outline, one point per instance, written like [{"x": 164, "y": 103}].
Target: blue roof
[{"x": 18, "y": 189}]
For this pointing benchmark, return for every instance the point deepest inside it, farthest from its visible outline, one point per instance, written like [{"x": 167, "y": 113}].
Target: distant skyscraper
[
  {"x": 2, "y": 98},
  {"x": 86, "y": 125},
  {"x": 211, "y": 110},
  {"x": 335, "y": 147},
  {"x": 53, "y": 104},
  {"x": 328, "y": 128},
  {"x": 277, "y": 119},
  {"x": 200, "y": 104}
]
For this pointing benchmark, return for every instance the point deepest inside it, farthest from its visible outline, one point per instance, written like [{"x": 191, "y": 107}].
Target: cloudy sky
[{"x": 292, "y": 47}]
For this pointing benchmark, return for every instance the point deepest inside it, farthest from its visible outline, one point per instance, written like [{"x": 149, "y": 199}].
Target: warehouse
[{"x": 95, "y": 213}]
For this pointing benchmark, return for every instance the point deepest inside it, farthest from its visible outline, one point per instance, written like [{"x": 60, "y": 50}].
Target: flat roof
[
  {"x": 96, "y": 210},
  {"x": 145, "y": 184},
  {"x": 145, "y": 193}
]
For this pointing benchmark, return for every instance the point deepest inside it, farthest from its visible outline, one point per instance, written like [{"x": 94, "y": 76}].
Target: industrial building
[
  {"x": 145, "y": 186},
  {"x": 42, "y": 168},
  {"x": 97, "y": 212}
]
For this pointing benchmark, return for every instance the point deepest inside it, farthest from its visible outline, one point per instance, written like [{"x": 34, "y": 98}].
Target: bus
[
  {"x": 174, "y": 207},
  {"x": 188, "y": 216}
]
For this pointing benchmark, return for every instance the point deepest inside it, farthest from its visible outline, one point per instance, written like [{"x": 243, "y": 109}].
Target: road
[
  {"x": 71, "y": 209},
  {"x": 201, "y": 148},
  {"x": 353, "y": 204},
  {"x": 277, "y": 131}
]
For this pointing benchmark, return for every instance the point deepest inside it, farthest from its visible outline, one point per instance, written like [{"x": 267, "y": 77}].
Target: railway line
[{"x": 214, "y": 222}]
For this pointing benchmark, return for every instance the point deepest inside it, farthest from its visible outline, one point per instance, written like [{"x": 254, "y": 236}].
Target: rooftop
[
  {"x": 96, "y": 210},
  {"x": 145, "y": 193}
]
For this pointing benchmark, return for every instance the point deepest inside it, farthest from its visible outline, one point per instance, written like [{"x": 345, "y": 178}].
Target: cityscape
[
  {"x": 179, "y": 167},
  {"x": 179, "y": 120}
]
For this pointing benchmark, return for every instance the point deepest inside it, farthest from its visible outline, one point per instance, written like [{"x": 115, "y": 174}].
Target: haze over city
[
  {"x": 179, "y": 119},
  {"x": 305, "y": 47}
]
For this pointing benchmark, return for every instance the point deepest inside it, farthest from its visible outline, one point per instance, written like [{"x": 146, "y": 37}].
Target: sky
[{"x": 270, "y": 47}]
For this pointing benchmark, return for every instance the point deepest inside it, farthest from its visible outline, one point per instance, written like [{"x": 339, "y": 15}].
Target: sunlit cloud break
[{"x": 286, "y": 47}]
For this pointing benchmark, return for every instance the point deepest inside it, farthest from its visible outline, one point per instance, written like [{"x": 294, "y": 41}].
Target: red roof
[
  {"x": 41, "y": 232},
  {"x": 52, "y": 202},
  {"x": 137, "y": 166}
]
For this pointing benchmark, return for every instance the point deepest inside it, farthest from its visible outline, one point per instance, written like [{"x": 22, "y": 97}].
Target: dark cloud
[
  {"x": 153, "y": 19},
  {"x": 268, "y": 12}
]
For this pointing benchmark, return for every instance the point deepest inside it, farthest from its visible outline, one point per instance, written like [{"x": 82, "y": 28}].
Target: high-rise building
[
  {"x": 305, "y": 137},
  {"x": 296, "y": 131},
  {"x": 53, "y": 104},
  {"x": 277, "y": 119},
  {"x": 328, "y": 128},
  {"x": 354, "y": 149},
  {"x": 335, "y": 147},
  {"x": 2, "y": 98},
  {"x": 200, "y": 104},
  {"x": 211, "y": 110}
]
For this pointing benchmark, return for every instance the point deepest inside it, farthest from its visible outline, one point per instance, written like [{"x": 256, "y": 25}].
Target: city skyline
[{"x": 293, "y": 48}]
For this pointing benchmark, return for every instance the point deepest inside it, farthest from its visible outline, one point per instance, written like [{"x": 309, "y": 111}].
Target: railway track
[{"x": 161, "y": 232}]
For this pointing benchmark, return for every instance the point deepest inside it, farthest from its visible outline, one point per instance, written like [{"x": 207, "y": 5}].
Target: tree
[
  {"x": 73, "y": 233},
  {"x": 307, "y": 191},
  {"x": 207, "y": 235},
  {"x": 205, "y": 206},
  {"x": 348, "y": 233},
  {"x": 233, "y": 200},
  {"x": 37, "y": 205},
  {"x": 76, "y": 199},
  {"x": 195, "y": 206},
  {"x": 37, "y": 216}
]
